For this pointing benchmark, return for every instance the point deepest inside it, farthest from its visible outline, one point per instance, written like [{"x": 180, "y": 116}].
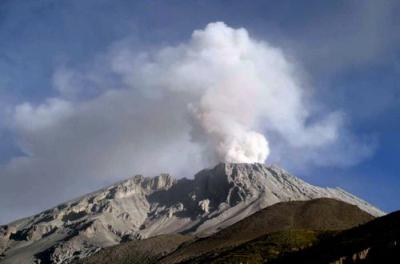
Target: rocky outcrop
[{"x": 142, "y": 207}]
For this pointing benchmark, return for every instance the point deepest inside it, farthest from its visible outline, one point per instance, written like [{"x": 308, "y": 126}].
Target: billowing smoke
[{"x": 235, "y": 88}]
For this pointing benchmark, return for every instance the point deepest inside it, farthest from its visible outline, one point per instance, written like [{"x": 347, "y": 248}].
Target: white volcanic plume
[{"x": 236, "y": 89}]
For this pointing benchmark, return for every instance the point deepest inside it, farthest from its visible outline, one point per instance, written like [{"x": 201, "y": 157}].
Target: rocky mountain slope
[
  {"x": 146, "y": 251},
  {"x": 142, "y": 207}
]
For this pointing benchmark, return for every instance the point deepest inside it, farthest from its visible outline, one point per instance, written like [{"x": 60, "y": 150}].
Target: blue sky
[{"x": 348, "y": 51}]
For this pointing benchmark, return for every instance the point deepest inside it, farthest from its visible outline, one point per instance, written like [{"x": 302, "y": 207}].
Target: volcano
[{"x": 142, "y": 207}]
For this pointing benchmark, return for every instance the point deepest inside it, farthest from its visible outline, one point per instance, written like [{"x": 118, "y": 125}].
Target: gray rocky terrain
[{"x": 142, "y": 207}]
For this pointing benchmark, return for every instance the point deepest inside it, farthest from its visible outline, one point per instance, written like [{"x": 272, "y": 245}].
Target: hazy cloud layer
[{"x": 220, "y": 96}]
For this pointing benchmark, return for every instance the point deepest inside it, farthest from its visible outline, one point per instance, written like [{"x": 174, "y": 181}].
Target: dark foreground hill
[
  {"x": 277, "y": 222},
  {"x": 319, "y": 214},
  {"x": 375, "y": 242}
]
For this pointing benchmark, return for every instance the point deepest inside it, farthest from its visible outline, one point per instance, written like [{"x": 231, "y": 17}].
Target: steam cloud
[
  {"x": 234, "y": 87},
  {"x": 217, "y": 97}
]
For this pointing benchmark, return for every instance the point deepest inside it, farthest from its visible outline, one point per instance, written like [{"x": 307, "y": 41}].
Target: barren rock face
[{"x": 142, "y": 207}]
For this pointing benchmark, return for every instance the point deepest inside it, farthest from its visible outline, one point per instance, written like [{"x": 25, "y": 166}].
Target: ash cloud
[{"x": 235, "y": 88}]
